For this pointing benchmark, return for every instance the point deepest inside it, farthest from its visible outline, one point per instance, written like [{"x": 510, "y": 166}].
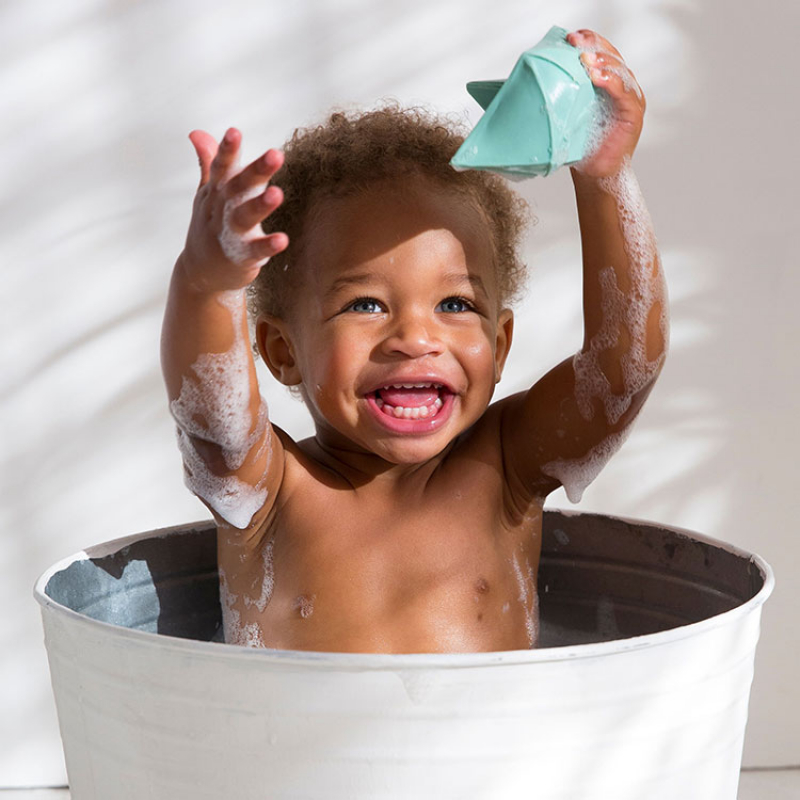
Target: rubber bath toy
[{"x": 537, "y": 120}]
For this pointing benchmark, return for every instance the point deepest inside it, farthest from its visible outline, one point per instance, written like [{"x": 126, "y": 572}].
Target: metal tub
[{"x": 639, "y": 689}]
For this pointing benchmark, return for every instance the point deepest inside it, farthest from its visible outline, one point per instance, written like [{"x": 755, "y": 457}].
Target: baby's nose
[{"x": 413, "y": 336}]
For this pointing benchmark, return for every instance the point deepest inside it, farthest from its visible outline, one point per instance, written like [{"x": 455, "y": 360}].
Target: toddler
[{"x": 379, "y": 281}]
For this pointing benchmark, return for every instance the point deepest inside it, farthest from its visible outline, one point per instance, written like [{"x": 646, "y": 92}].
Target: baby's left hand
[{"x": 609, "y": 72}]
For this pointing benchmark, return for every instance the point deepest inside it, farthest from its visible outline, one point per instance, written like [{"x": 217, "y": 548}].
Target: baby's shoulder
[
  {"x": 305, "y": 464},
  {"x": 478, "y": 449}
]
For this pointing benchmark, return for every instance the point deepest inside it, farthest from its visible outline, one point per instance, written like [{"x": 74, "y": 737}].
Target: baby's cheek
[
  {"x": 481, "y": 357},
  {"x": 334, "y": 368},
  {"x": 480, "y": 365}
]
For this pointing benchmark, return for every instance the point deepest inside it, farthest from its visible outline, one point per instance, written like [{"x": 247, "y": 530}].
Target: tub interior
[{"x": 600, "y": 579}]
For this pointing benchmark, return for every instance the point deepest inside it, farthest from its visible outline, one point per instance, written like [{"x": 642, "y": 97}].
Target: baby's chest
[
  {"x": 378, "y": 566},
  {"x": 386, "y": 550},
  {"x": 361, "y": 573}
]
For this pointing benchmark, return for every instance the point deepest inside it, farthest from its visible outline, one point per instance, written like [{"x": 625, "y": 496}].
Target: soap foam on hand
[{"x": 233, "y": 244}]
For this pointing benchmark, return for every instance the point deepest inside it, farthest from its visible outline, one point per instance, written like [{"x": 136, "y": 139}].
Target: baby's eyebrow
[
  {"x": 357, "y": 279},
  {"x": 460, "y": 279},
  {"x": 453, "y": 280}
]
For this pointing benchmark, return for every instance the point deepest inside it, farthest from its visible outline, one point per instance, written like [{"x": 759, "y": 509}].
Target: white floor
[{"x": 768, "y": 785}]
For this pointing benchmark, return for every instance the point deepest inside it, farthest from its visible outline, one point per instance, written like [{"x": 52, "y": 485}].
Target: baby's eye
[
  {"x": 365, "y": 305},
  {"x": 454, "y": 305}
]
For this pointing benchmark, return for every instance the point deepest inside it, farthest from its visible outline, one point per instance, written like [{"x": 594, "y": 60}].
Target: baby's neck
[{"x": 359, "y": 467}]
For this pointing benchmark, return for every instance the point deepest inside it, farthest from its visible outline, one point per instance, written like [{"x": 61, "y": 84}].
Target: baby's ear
[
  {"x": 275, "y": 346},
  {"x": 505, "y": 332}
]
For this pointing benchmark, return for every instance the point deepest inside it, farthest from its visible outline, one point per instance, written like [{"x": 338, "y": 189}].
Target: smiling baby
[{"x": 379, "y": 282}]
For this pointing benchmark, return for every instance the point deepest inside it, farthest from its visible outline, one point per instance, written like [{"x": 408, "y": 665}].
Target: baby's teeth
[{"x": 412, "y": 412}]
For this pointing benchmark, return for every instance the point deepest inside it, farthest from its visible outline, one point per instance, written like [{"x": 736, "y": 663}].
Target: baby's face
[{"x": 396, "y": 332}]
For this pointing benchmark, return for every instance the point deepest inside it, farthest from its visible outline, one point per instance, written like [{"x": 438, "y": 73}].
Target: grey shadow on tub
[{"x": 164, "y": 584}]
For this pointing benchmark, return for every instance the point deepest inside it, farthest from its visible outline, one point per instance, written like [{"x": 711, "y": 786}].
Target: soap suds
[
  {"x": 625, "y": 313},
  {"x": 304, "y": 605},
  {"x": 234, "y": 500},
  {"x": 626, "y": 76},
  {"x": 235, "y": 245},
  {"x": 575, "y": 474},
  {"x": 528, "y": 599},
  {"x": 624, "y": 310},
  {"x": 622, "y": 71},
  {"x": 267, "y": 582},
  {"x": 602, "y": 121},
  {"x": 215, "y": 408},
  {"x": 247, "y": 635}
]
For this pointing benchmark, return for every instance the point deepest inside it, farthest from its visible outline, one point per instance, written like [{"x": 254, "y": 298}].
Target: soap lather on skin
[
  {"x": 304, "y": 605},
  {"x": 246, "y": 635},
  {"x": 625, "y": 313},
  {"x": 234, "y": 244},
  {"x": 213, "y": 410},
  {"x": 529, "y": 599},
  {"x": 266, "y": 582}
]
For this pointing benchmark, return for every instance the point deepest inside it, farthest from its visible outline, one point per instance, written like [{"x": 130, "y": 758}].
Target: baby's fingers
[
  {"x": 264, "y": 248},
  {"x": 589, "y": 41},
  {"x": 250, "y": 213},
  {"x": 611, "y": 73},
  {"x": 226, "y": 157},
  {"x": 255, "y": 174},
  {"x": 206, "y": 148}
]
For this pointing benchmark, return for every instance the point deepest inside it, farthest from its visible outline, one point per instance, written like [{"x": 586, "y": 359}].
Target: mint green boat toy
[{"x": 537, "y": 120}]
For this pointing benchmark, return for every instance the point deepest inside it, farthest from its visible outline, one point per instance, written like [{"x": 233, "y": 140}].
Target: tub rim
[{"x": 404, "y": 661}]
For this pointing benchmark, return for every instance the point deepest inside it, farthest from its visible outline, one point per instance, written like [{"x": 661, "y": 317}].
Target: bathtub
[{"x": 639, "y": 690}]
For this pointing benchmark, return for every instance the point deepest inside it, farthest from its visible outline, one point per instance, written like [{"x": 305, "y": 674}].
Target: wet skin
[
  {"x": 387, "y": 533},
  {"x": 391, "y": 536}
]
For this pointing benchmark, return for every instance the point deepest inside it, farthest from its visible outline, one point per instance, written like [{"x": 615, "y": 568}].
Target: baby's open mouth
[{"x": 410, "y": 400}]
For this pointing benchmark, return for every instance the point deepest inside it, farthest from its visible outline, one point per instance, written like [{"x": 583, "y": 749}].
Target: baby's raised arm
[
  {"x": 564, "y": 430},
  {"x": 231, "y": 456}
]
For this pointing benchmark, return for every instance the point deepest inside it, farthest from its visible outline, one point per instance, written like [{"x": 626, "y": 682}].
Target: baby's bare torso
[{"x": 434, "y": 563}]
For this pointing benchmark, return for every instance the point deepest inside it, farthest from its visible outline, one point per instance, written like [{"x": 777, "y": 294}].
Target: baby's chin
[
  {"x": 411, "y": 459},
  {"x": 411, "y": 452},
  {"x": 388, "y": 452}
]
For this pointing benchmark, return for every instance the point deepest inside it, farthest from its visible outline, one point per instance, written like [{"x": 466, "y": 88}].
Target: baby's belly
[{"x": 485, "y": 611}]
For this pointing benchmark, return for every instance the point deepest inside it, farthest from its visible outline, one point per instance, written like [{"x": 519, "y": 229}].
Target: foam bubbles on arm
[
  {"x": 625, "y": 351},
  {"x": 215, "y": 427}
]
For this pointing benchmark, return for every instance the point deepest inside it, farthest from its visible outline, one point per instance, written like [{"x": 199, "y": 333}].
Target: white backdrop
[{"x": 96, "y": 100}]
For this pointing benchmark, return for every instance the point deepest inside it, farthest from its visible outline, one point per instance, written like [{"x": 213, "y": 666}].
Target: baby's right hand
[{"x": 225, "y": 247}]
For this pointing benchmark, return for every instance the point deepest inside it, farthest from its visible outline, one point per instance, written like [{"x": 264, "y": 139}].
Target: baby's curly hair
[{"x": 351, "y": 151}]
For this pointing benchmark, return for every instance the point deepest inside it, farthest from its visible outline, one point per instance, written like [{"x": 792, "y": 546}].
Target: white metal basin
[{"x": 639, "y": 690}]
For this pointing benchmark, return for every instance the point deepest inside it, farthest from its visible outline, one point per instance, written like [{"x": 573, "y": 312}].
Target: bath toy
[
  {"x": 539, "y": 119},
  {"x": 639, "y": 688}
]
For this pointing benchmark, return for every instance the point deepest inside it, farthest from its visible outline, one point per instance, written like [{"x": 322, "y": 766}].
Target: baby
[{"x": 411, "y": 521}]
